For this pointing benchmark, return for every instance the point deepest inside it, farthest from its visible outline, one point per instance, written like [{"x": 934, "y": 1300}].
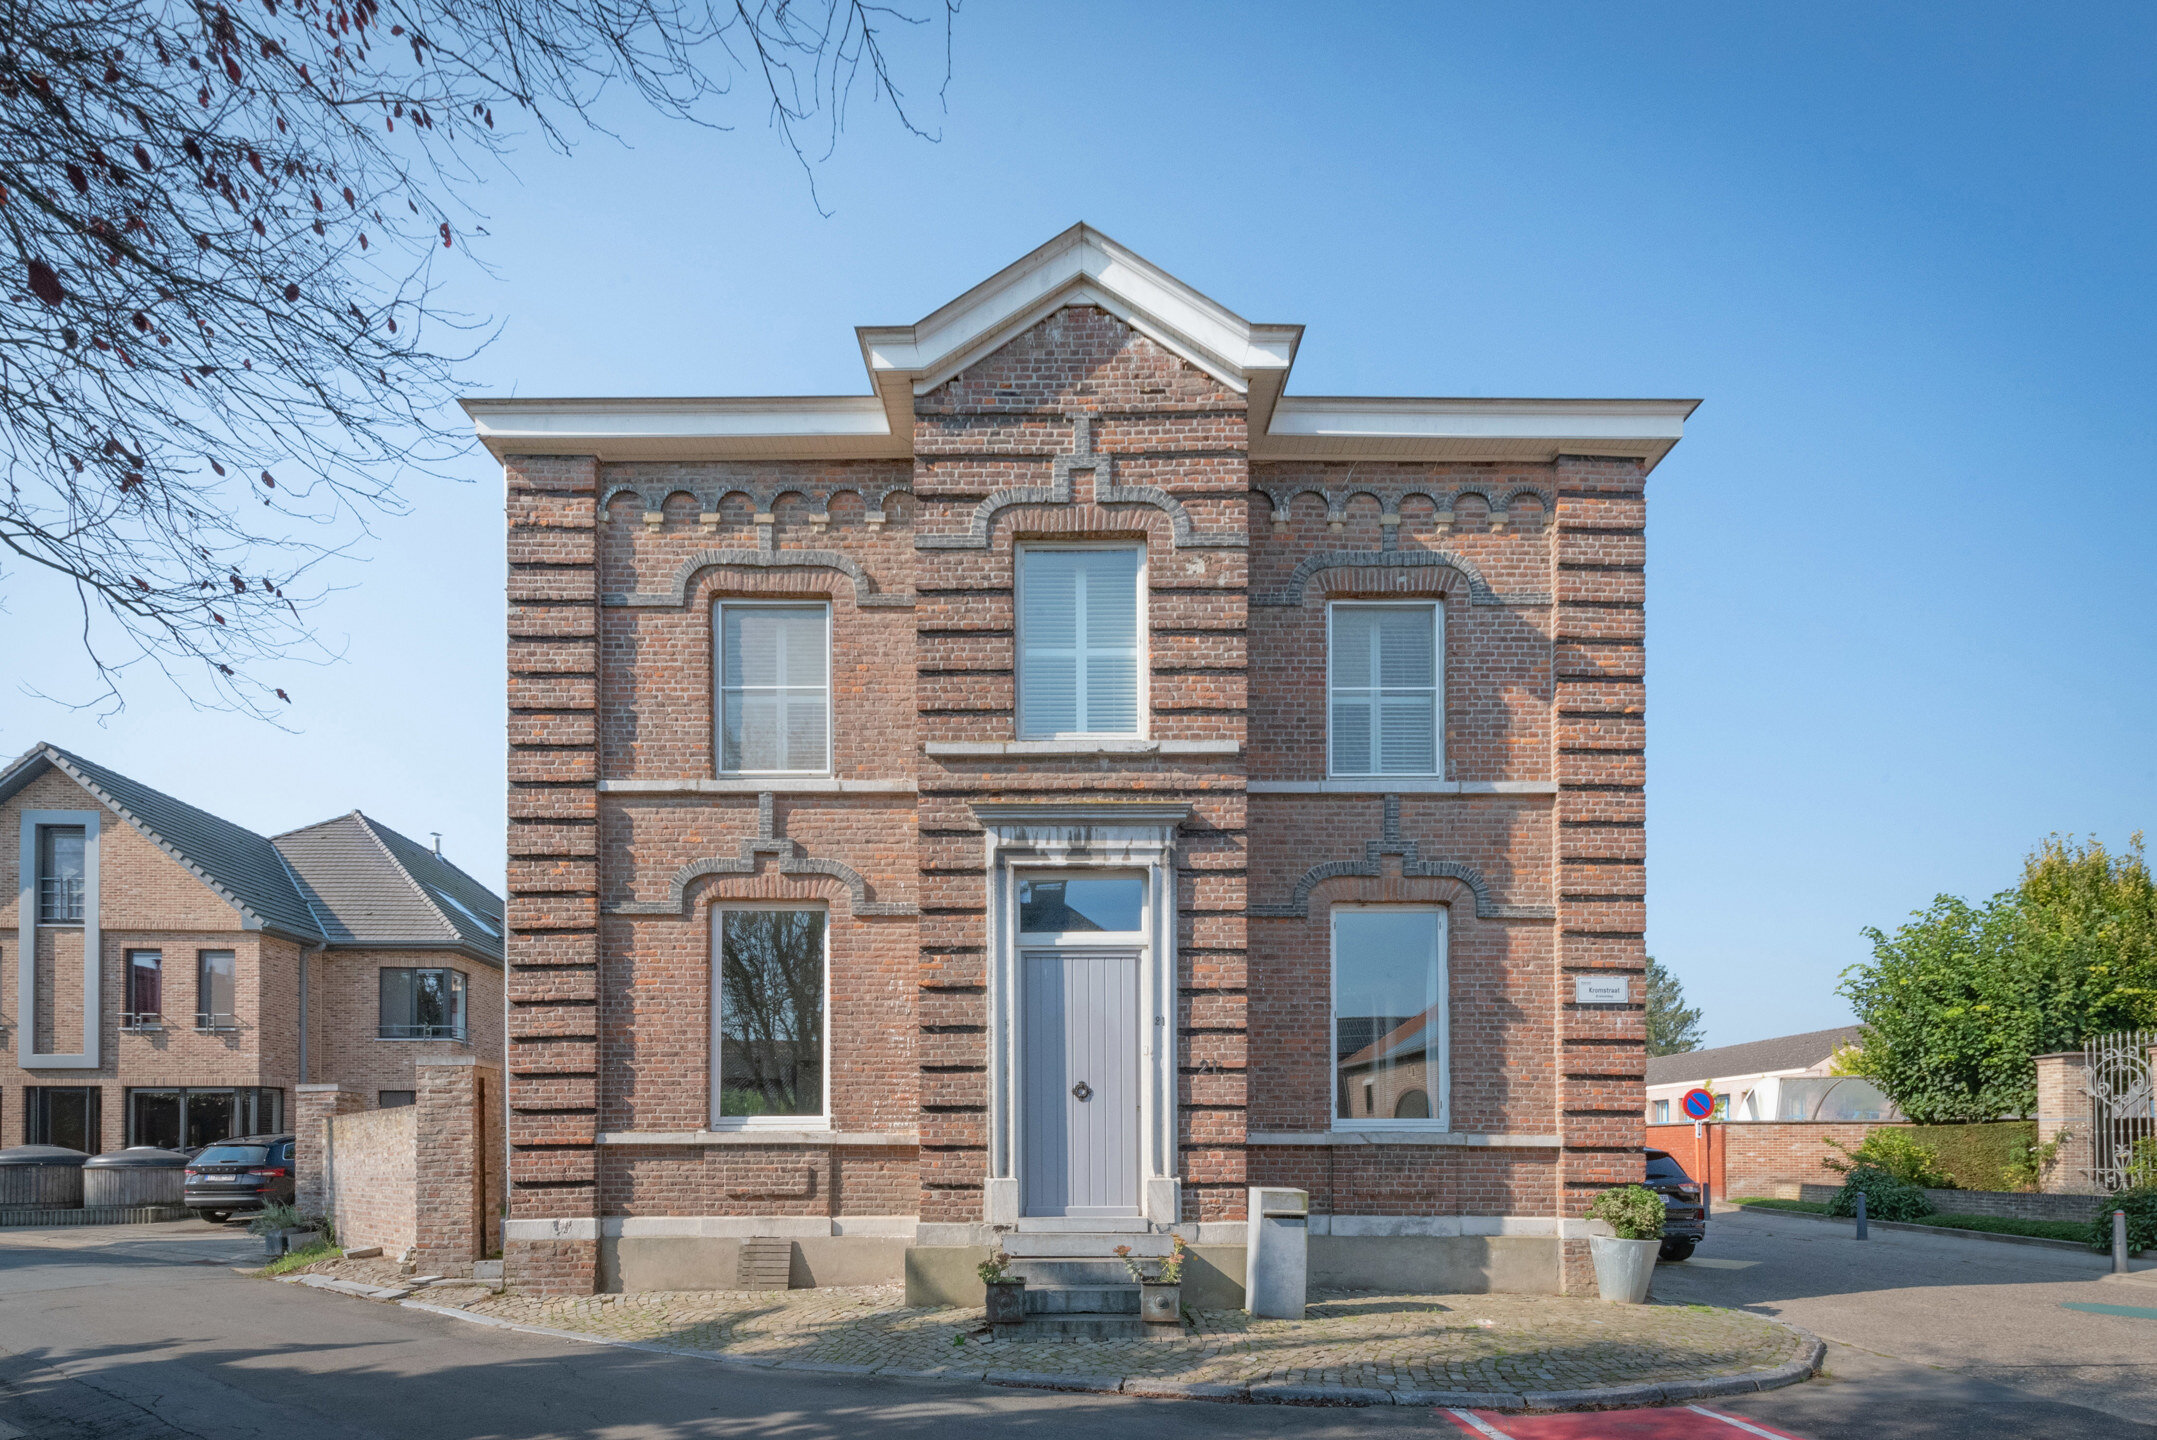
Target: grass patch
[
  {"x": 300, "y": 1259},
  {"x": 1996, "y": 1225},
  {"x": 1803, "y": 1207}
]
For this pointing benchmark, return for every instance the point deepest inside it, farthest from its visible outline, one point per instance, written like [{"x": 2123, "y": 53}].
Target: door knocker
[{"x": 1082, "y": 1090}]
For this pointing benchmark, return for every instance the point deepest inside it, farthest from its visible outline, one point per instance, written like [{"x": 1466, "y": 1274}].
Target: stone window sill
[
  {"x": 774, "y": 1136},
  {"x": 1402, "y": 1137},
  {"x": 994, "y": 749},
  {"x": 1402, "y": 785},
  {"x": 766, "y": 785}
]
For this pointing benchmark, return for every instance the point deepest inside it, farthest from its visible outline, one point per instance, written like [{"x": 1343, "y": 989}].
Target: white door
[{"x": 1079, "y": 1112}]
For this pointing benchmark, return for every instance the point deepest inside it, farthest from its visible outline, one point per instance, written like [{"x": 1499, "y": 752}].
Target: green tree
[
  {"x": 1673, "y": 1026},
  {"x": 1957, "y": 1001}
]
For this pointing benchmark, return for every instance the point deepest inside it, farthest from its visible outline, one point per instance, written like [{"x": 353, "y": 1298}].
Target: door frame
[{"x": 1104, "y": 835}]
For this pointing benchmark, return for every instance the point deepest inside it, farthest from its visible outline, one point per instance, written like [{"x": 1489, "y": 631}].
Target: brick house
[
  {"x": 176, "y": 976},
  {"x": 1036, "y": 801}
]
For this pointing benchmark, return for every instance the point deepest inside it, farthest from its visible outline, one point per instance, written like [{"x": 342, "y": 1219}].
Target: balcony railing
[
  {"x": 210, "y": 1020},
  {"x": 420, "y": 1032},
  {"x": 142, "y": 1020},
  {"x": 59, "y": 899}
]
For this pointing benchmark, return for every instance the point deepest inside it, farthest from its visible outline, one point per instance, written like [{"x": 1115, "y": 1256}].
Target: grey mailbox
[{"x": 1276, "y": 1258}]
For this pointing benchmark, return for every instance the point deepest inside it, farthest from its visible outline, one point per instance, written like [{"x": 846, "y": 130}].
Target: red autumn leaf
[
  {"x": 292, "y": 293},
  {"x": 217, "y": 617},
  {"x": 268, "y": 481},
  {"x": 445, "y": 234},
  {"x": 44, "y": 284},
  {"x": 77, "y": 178},
  {"x": 140, "y": 583},
  {"x": 232, "y": 70},
  {"x": 217, "y": 467},
  {"x": 284, "y": 697}
]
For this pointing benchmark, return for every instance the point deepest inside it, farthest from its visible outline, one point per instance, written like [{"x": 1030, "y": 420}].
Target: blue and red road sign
[
  {"x": 1698, "y": 1104},
  {"x": 1677, "y": 1422}
]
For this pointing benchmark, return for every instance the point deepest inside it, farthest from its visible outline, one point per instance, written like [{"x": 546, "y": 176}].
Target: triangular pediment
[{"x": 1079, "y": 267}]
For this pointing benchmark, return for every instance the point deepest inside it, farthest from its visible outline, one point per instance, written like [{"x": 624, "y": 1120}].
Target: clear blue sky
[{"x": 1900, "y": 574}]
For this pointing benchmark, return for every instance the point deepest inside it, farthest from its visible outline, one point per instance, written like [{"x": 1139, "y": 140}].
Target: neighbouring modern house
[
  {"x": 1035, "y": 801},
  {"x": 1787, "y": 1078},
  {"x": 177, "y": 976}
]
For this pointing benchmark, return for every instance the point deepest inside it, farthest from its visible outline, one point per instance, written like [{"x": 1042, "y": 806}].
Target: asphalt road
[{"x": 148, "y": 1334}]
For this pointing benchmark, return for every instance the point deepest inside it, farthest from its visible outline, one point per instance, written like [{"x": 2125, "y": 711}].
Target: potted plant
[
  {"x": 1160, "y": 1290},
  {"x": 283, "y": 1229},
  {"x": 1006, "y": 1302},
  {"x": 1625, "y": 1261}
]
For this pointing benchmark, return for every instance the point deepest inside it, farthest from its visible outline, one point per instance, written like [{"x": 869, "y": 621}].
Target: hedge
[{"x": 1978, "y": 1155}]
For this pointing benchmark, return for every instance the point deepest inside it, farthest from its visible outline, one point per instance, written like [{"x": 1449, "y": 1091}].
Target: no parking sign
[{"x": 1698, "y": 1104}]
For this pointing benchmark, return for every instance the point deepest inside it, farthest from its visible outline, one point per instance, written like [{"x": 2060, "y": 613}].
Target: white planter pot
[{"x": 1623, "y": 1268}]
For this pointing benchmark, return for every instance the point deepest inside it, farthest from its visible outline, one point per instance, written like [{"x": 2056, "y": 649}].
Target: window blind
[
  {"x": 774, "y": 688},
  {"x": 1384, "y": 660},
  {"x": 1078, "y": 632}
]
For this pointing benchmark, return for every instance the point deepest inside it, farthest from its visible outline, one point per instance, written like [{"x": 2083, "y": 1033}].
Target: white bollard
[{"x": 1276, "y": 1263}]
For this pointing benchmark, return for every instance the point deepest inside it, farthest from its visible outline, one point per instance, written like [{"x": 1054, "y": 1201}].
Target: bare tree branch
[{"x": 221, "y": 345}]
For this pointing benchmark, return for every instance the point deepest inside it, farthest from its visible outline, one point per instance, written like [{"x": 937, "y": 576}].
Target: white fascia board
[
  {"x": 1079, "y": 267},
  {"x": 715, "y": 428},
  {"x": 1460, "y": 428}
]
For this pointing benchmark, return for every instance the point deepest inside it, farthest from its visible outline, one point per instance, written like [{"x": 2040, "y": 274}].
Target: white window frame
[
  {"x": 1441, "y": 1091},
  {"x": 713, "y": 1119},
  {"x": 1141, "y": 644},
  {"x": 719, "y": 685},
  {"x": 1437, "y": 609},
  {"x": 1117, "y": 939}
]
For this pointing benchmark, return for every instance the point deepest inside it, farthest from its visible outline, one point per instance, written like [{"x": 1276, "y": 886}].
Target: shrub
[
  {"x": 2030, "y": 1162},
  {"x": 1634, "y": 1211},
  {"x": 992, "y": 1269},
  {"x": 273, "y": 1218},
  {"x": 1979, "y": 1155},
  {"x": 2140, "y": 1204},
  {"x": 2142, "y": 1164},
  {"x": 1886, "y": 1198},
  {"x": 1896, "y": 1152}
]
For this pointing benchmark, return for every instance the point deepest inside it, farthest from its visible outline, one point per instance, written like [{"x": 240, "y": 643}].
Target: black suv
[
  {"x": 1685, "y": 1219},
  {"x": 243, "y": 1173}
]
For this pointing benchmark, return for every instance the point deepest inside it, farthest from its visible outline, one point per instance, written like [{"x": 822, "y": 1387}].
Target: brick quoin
[{"x": 1069, "y": 418}]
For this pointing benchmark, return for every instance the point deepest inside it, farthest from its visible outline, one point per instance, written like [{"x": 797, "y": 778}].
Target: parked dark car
[
  {"x": 1685, "y": 1218},
  {"x": 244, "y": 1173}
]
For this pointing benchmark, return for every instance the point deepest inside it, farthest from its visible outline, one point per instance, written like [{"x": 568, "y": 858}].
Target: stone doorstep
[{"x": 1146, "y": 1387}]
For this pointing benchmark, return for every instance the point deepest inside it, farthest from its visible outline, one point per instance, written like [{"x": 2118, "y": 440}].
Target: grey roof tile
[
  {"x": 1755, "y": 1057},
  {"x": 348, "y": 881}
]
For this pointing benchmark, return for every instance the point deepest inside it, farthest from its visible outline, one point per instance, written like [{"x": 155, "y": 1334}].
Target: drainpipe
[{"x": 305, "y": 951}]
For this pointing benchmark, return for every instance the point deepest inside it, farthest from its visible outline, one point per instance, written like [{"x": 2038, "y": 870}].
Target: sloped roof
[
  {"x": 373, "y": 886},
  {"x": 351, "y": 881},
  {"x": 241, "y": 867},
  {"x": 1757, "y": 1057}
]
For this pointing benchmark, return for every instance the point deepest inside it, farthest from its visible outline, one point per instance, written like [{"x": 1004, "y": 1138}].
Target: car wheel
[
  {"x": 1677, "y": 1250},
  {"x": 215, "y": 1217}
]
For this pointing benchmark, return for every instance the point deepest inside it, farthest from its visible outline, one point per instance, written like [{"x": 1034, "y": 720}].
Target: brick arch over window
[
  {"x": 675, "y": 591},
  {"x": 1106, "y": 492},
  {"x": 1413, "y": 867},
  {"x": 1448, "y": 570},
  {"x": 786, "y": 859}
]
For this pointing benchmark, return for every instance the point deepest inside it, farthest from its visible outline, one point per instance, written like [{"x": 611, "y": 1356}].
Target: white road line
[
  {"x": 1736, "y": 1423},
  {"x": 1479, "y": 1426}
]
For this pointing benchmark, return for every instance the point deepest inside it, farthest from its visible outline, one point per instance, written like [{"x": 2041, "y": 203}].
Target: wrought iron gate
[{"x": 2117, "y": 1076}]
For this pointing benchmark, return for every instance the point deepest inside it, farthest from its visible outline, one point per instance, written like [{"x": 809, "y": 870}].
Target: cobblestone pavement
[{"x": 1493, "y": 1343}]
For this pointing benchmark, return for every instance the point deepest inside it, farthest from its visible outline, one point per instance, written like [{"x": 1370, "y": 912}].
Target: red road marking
[{"x": 1684, "y": 1422}]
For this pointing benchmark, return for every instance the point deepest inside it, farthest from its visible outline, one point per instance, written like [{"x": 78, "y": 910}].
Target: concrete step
[
  {"x": 1054, "y": 1274},
  {"x": 1092, "y": 1246},
  {"x": 1082, "y": 1300}
]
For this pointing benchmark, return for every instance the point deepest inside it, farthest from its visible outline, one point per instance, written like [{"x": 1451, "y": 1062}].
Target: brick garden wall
[
  {"x": 1769, "y": 1158},
  {"x": 371, "y": 1165}
]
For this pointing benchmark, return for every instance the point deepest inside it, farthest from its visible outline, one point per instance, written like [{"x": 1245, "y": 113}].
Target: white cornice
[
  {"x": 1339, "y": 427},
  {"x": 1081, "y": 267}
]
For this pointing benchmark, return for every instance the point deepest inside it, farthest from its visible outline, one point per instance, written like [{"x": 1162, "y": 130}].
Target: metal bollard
[
  {"x": 1860, "y": 1214},
  {"x": 2119, "y": 1242}
]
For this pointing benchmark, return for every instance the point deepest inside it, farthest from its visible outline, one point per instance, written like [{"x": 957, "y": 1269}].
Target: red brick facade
[{"x": 1077, "y": 424}]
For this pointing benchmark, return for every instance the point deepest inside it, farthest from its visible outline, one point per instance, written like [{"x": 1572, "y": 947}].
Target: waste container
[
  {"x": 46, "y": 1177},
  {"x": 1276, "y": 1260},
  {"x": 139, "y": 1175}
]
